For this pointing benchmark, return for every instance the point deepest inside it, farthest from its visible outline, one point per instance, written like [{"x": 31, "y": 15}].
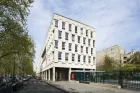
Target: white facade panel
[
  {"x": 63, "y": 57},
  {"x": 52, "y": 50}
]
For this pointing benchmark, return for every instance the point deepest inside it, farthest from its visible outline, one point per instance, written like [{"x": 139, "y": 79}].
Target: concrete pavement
[{"x": 73, "y": 87}]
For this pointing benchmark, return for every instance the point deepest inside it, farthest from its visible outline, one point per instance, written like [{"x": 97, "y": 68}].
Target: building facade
[
  {"x": 128, "y": 55},
  {"x": 69, "y": 46},
  {"x": 114, "y": 52}
]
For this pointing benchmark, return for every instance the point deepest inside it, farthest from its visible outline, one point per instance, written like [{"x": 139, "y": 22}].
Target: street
[{"x": 34, "y": 86}]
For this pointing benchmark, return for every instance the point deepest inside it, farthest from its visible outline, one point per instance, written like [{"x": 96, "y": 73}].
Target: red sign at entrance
[{"x": 72, "y": 76}]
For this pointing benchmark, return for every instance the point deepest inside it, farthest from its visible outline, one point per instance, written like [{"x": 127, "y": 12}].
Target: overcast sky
[{"x": 117, "y": 22}]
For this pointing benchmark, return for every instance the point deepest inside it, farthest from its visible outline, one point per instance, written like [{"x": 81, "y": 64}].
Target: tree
[
  {"x": 128, "y": 67},
  {"x": 16, "y": 44},
  {"x": 13, "y": 14},
  {"x": 133, "y": 62},
  {"x": 108, "y": 63}
]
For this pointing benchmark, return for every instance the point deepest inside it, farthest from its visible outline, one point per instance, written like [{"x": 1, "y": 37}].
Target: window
[
  {"x": 93, "y": 43},
  {"x": 89, "y": 42},
  {"x": 91, "y": 50},
  {"x": 73, "y": 57},
  {"x": 63, "y": 45},
  {"x": 69, "y": 27},
  {"x": 63, "y": 25},
  {"x": 66, "y": 56},
  {"x": 81, "y": 49},
  {"x": 84, "y": 58},
  {"x": 81, "y": 30},
  {"x": 93, "y": 59},
  {"x": 78, "y": 39},
  {"x": 43, "y": 54},
  {"x": 86, "y": 49},
  {"x": 91, "y": 34},
  {"x": 89, "y": 59},
  {"x": 66, "y": 35},
  {"x": 69, "y": 46},
  {"x": 75, "y": 48},
  {"x": 84, "y": 40},
  {"x": 56, "y": 23},
  {"x": 86, "y": 32},
  {"x": 78, "y": 58},
  {"x": 59, "y": 55},
  {"x": 75, "y": 29},
  {"x": 59, "y": 34},
  {"x": 56, "y": 44},
  {"x": 73, "y": 37}
]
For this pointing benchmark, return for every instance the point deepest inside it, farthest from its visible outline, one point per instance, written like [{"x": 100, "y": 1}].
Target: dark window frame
[
  {"x": 70, "y": 44},
  {"x": 86, "y": 49},
  {"x": 78, "y": 39},
  {"x": 70, "y": 26},
  {"x": 84, "y": 40},
  {"x": 73, "y": 57},
  {"x": 81, "y": 49},
  {"x": 91, "y": 50},
  {"x": 60, "y": 57},
  {"x": 86, "y": 32},
  {"x": 89, "y": 42},
  {"x": 66, "y": 34},
  {"x": 91, "y": 34},
  {"x": 56, "y": 42},
  {"x": 63, "y": 25},
  {"x": 56, "y": 23},
  {"x": 75, "y": 29},
  {"x": 59, "y": 34},
  {"x": 84, "y": 58},
  {"x": 89, "y": 59},
  {"x": 93, "y": 43},
  {"x": 79, "y": 57},
  {"x": 76, "y": 46},
  {"x": 63, "y": 45},
  {"x": 67, "y": 57},
  {"x": 93, "y": 59},
  {"x": 73, "y": 37}
]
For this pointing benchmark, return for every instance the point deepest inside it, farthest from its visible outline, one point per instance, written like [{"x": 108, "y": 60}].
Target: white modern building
[{"x": 69, "y": 46}]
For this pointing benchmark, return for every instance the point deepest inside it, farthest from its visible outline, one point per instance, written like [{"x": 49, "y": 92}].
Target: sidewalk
[{"x": 75, "y": 87}]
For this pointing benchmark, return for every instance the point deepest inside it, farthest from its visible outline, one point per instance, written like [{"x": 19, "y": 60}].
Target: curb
[
  {"x": 60, "y": 88},
  {"x": 105, "y": 85}
]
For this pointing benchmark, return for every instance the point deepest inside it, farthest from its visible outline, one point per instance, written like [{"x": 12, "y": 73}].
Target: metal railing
[{"x": 125, "y": 79}]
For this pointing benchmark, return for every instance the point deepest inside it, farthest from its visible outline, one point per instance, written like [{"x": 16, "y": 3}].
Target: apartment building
[
  {"x": 69, "y": 46},
  {"x": 114, "y": 52},
  {"x": 128, "y": 55}
]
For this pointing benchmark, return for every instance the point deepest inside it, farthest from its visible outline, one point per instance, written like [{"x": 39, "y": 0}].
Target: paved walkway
[{"x": 87, "y": 88}]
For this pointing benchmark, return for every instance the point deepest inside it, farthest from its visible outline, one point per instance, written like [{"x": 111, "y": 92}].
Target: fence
[{"x": 126, "y": 79}]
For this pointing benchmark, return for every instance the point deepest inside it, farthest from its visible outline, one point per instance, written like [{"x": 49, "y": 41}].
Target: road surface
[{"x": 34, "y": 86}]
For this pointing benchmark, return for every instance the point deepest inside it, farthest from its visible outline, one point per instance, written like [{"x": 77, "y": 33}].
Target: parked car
[
  {"x": 5, "y": 85},
  {"x": 20, "y": 80},
  {"x": 8, "y": 80},
  {"x": 15, "y": 83},
  {"x": 25, "y": 78}
]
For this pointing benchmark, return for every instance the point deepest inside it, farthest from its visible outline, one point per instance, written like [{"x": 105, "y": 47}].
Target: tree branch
[{"x": 7, "y": 54}]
